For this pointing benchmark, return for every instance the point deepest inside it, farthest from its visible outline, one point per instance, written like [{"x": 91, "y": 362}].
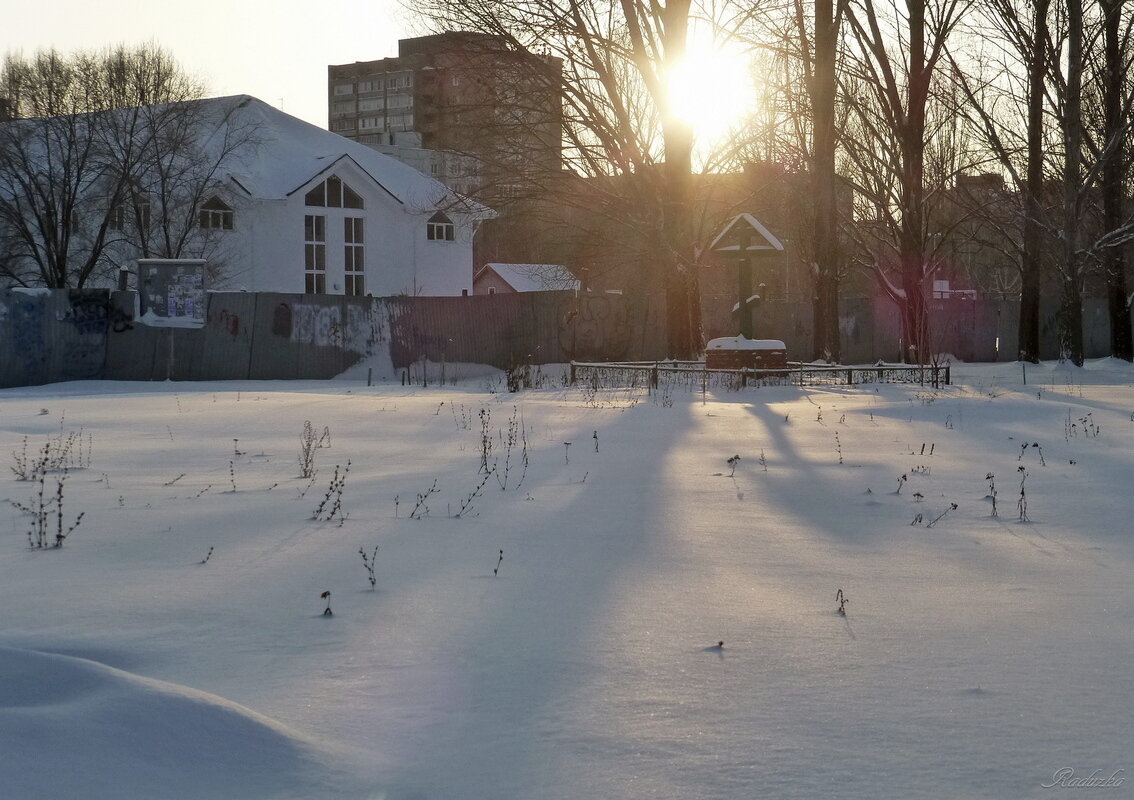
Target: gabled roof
[
  {"x": 746, "y": 226},
  {"x": 532, "y": 277},
  {"x": 288, "y": 153}
]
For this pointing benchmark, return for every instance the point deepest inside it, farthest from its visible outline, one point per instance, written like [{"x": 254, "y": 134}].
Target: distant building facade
[{"x": 487, "y": 113}]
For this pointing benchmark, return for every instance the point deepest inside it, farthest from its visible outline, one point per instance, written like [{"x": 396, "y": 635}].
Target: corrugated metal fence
[{"x": 61, "y": 335}]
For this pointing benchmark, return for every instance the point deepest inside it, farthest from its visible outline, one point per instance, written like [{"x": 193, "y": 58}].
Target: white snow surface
[
  {"x": 743, "y": 343},
  {"x": 978, "y": 656}
]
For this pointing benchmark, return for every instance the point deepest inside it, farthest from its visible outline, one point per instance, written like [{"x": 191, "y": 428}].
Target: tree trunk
[
  {"x": 1071, "y": 310},
  {"x": 1114, "y": 183},
  {"x": 1032, "y": 232},
  {"x": 826, "y": 343},
  {"x": 912, "y": 234},
  {"x": 683, "y": 300}
]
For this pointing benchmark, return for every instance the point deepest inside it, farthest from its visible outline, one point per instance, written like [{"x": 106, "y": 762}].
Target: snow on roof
[
  {"x": 742, "y": 343},
  {"x": 288, "y": 152},
  {"x": 534, "y": 277}
]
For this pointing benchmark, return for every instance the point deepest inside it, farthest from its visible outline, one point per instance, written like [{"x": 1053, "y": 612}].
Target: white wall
[{"x": 268, "y": 244}]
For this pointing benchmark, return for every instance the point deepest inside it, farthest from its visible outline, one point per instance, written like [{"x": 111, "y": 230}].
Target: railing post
[{"x": 572, "y": 373}]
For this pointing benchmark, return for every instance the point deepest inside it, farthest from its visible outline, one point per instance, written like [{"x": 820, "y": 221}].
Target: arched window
[
  {"x": 439, "y": 228},
  {"x": 216, "y": 214},
  {"x": 333, "y": 193}
]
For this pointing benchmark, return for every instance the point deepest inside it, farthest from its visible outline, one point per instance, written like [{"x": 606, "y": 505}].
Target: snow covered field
[{"x": 980, "y": 654}]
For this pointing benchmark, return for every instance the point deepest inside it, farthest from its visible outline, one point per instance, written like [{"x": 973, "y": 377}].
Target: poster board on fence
[{"x": 171, "y": 292}]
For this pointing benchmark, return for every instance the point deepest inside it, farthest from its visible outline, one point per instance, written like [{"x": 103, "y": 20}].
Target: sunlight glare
[{"x": 711, "y": 90}]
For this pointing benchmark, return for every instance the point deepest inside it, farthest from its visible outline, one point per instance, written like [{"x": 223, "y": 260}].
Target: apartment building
[{"x": 460, "y": 106}]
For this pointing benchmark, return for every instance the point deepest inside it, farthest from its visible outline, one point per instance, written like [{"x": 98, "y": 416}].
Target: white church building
[
  {"x": 270, "y": 202},
  {"x": 310, "y": 211}
]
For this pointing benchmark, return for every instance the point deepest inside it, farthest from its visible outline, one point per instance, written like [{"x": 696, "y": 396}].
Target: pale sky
[{"x": 276, "y": 50}]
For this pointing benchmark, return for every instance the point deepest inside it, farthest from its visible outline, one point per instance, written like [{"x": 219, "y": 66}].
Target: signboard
[{"x": 171, "y": 292}]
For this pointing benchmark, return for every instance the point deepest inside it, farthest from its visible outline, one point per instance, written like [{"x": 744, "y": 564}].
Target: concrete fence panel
[
  {"x": 52, "y": 336},
  {"x": 301, "y": 336},
  {"x": 60, "y": 335},
  {"x": 230, "y": 322}
]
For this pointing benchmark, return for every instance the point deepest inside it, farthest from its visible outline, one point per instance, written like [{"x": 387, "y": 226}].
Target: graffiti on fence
[
  {"x": 316, "y": 324},
  {"x": 367, "y": 329},
  {"x": 121, "y": 321},
  {"x": 88, "y": 313},
  {"x": 362, "y": 332},
  {"x": 594, "y": 328},
  {"x": 226, "y": 320}
]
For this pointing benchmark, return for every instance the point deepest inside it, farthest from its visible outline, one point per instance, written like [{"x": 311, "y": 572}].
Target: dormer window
[
  {"x": 439, "y": 228},
  {"x": 216, "y": 214},
  {"x": 333, "y": 193}
]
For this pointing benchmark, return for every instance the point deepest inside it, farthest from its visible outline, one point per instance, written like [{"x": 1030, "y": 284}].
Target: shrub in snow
[
  {"x": 732, "y": 462},
  {"x": 368, "y": 562},
  {"x": 499, "y": 561},
  {"x": 59, "y": 452},
  {"x": 467, "y": 503},
  {"x": 332, "y": 502},
  {"x": 308, "y": 444},
  {"x": 45, "y": 509},
  {"x": 327, "y": 611},
  {"x": 420, "y": 509},
  {"x": 841, "y": 599},
  {"x": 1022, "y": 503},
  {"x": 514, "y": 436},
  {"x": 935, "y": 520},
  {"x": 485, "y": 441},
  {"x": 463, "y": 418}
]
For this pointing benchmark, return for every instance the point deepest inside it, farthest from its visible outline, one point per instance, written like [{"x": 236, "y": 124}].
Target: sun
[{"x": 711, "y": 89}]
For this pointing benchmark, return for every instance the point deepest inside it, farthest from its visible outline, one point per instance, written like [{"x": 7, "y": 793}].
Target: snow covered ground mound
[
  {"x": 70, "y": 727},
  {"x": 552, "y": 571}
]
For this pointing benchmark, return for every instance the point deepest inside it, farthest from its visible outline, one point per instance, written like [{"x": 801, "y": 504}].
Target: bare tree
[
  {"x": 898, "y": 55},
  {"x": 1070, "y": 116},
  {"x": 628, "y": 155},
  {"x": 812, "y": 42},
  {"x": 79, "y": 157},
  {"x": 186, "y": 152},
  {"x": 1115, "y": 155},
  {"x": 1036, "y": 56},
  {"x": 1002, "y": 89}
]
